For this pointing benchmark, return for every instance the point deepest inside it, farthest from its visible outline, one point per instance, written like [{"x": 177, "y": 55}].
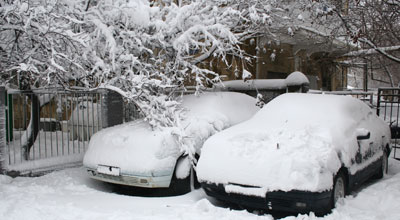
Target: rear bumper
[
  {"x": 131, "y": 180},
  {"x": 292, "y": 201}
]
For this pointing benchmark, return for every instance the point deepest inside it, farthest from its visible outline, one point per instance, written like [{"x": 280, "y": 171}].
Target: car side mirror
[{"x": 363, "y": 134}]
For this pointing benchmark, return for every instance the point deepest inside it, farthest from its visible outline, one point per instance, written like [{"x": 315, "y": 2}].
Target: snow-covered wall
[{"x": 2, "y": 128}]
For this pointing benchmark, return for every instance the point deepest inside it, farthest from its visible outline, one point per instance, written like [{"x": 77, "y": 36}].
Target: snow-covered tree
[
  {"x": 148, "y": 51},
  {"x": 145, "y": 50},
  {"x": 40, "y": 46},
  {"x": 40, "y": 43}
]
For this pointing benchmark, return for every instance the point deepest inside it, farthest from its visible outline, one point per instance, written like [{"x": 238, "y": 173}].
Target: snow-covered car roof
[
  {"x": 297, "y": 141},
  {"x": 137, "y": 149}
]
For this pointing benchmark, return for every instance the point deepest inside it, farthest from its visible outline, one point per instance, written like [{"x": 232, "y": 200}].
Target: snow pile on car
[
  {"x": 133, "y": 148},
  {"x": 213, "y": 112},
  {"x": 137, "y": 149},
  {"x": 296, "y": 142}
]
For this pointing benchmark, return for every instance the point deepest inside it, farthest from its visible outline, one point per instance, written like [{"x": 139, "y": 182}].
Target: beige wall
[{"x": 325, "y": 71}]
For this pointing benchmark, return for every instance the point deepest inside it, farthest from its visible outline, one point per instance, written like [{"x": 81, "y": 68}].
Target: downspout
[{"x": 365, "y": 84}]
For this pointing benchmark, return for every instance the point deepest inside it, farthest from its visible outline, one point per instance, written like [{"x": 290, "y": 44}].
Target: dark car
[{"x": 300, "y": 153}]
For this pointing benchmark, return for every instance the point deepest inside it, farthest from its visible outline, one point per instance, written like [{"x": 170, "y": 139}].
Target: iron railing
[
  {"x": 65, "y": 121},
  {"x": 367, "y": 97},
  {"x": 388, "y": 107}
]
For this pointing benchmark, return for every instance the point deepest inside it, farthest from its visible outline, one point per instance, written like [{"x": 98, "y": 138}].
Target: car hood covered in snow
[
  {"x": 137, "y": 149},
  {"x": 296, "y": 142},
  {"x": 133, "y": 145}
]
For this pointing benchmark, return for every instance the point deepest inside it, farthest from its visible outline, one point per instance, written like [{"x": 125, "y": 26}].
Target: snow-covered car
[
  {"x": 135, "y": 154},
  {"x": 299, "y": 153}
]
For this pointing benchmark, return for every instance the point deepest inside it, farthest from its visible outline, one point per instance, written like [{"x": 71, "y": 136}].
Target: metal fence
[
  {"x": 367, "y": 97},
  {"x": 388, "y": 107},
  {"x": 49, "y": 128},
  {"x": 44, "y": 130}
]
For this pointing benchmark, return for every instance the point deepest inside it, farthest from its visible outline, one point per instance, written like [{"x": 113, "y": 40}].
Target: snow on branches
[
  {"x": 146, "y": 49},
  {"x": 369, "y": 24},
  {"x": 150, "y": 51},
  {"x": 42, "y": 41}
]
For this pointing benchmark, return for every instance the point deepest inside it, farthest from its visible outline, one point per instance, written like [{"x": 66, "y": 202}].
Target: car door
[{"x": 366, "y": 150}]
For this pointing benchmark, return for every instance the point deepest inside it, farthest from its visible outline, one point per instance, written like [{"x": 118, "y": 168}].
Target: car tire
[
  {"x": 384, "y": 166},
  {"x": 339, "y": 188}
]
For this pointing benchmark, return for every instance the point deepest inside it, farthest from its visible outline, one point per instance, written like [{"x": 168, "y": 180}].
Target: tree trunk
[{"x": 32, "y": 130}]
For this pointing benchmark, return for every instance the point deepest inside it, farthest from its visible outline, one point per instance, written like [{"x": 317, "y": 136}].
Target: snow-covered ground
[{"x": 70, "y": 194}]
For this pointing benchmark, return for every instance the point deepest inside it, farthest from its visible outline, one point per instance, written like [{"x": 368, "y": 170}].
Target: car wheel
[
  {"x": 384, "y": 166},
  {"x": 339, "y": 189}
]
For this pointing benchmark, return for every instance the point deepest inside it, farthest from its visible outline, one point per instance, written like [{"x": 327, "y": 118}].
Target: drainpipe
[{"x": 365, "y": 86}]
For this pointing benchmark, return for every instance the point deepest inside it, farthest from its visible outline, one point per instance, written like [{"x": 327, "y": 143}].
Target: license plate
[{"x": 114, "y": 171}]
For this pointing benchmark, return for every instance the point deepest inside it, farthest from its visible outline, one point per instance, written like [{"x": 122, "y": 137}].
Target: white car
[
  {"x": 134, "y": 154},
  {"x": 300, "y": 153}
]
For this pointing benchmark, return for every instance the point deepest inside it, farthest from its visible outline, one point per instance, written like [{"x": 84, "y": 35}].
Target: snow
[
  {"x": 183, "y": 168},
  {"x": 139, "y": 12},
  {"x": 85, "y": 120},
  {"x": 246, "y": 74},
  {"x": 252, "y": 84},
  {"x": 138, "y": 150},
  {"x": 69, "y": 194},
  {"x": 294, "y": 79},
  {"x": 134, "y": 148},
  {"x": 296, "y": 142},
  {"x": 364, "y": 52}
]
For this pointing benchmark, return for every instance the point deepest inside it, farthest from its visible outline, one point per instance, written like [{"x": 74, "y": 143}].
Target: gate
[
  {"x": 44, "y": 130},
  {"x": 388, "y": 106}
]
